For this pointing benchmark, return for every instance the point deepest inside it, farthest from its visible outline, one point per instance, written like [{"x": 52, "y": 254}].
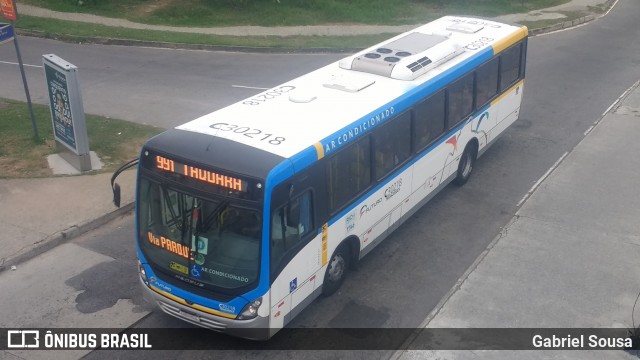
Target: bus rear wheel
[
  {"x": 465, "y": 166},
  {"x": 336, "y": 270}
]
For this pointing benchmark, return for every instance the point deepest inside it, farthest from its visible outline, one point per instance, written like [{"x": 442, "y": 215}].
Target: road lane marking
[
  {"x": 13, "y": 63},
  {"x": 589, "y": 130},
  {"x": 249, "y": 87},
  {"x": 537, "y": 184},
  {"x": 620, "y": 98}
]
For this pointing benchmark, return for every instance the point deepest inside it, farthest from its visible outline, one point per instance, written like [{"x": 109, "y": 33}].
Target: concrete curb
[
  {"x": 63, "y": 237},
  {"x": 562, "y": 25},
  {"x": 607, "y": 6}
]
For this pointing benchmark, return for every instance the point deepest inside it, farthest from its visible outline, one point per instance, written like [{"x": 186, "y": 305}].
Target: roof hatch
[
  {"x": 405, "y": 58},
  {"x": 348, "y": 83},
  {"x": 466, "y": 28}
]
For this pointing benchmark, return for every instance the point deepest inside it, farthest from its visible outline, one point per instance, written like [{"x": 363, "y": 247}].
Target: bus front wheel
[
  {"x": 336, "y": 270},
  {"x": 465, "y": 166}
]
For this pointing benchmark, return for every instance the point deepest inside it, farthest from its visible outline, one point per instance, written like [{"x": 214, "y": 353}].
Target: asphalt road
[
  {"x": 160, "y": 87},
  {"x": 572, "y": 78}
]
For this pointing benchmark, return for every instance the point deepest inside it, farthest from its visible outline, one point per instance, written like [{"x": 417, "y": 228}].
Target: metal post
[
  {"x": 26, "y": 87},
  {"x": 24, "y": 77}
]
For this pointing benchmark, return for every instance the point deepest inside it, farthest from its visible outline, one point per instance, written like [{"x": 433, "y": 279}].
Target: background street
[{"x": 573, "y": 77}]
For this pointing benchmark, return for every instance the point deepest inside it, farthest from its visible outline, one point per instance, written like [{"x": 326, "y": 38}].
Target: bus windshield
[{"x": 213, "y": 244}]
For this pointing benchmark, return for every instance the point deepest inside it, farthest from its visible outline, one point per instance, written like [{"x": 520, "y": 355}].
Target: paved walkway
[
  {"x": 569, "y": 257},
  {"x": 39, "y": 214}
]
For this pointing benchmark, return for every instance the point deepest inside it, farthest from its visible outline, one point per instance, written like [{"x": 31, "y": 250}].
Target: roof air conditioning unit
[{"x": 405, "y": 58}]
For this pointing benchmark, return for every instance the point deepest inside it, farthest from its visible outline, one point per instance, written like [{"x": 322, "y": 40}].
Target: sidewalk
[
  {"x": 569, "y": 257},
  {"x": 39, "y": 214}
]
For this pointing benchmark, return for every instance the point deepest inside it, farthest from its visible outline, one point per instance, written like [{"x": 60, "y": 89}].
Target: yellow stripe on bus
[
  {"x": 504, "y": 94},
  {"x": 325, "y": 245},
  {"x": 500, "y": 45},
  {"x": 194, "y": 306},
  {"x": 319, "y": 150}
]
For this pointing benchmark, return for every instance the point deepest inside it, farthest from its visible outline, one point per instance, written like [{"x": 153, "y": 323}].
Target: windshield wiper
[
  {"x": 195, "y": 215},
  {"x": 167, "y": 199},
  {"x": 180, "y": 220}
]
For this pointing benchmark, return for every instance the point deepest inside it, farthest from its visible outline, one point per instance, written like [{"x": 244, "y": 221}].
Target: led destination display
[{"x": 194, "y": 172}]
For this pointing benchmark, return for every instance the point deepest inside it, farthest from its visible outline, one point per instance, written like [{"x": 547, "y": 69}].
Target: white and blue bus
[{"x": 247, "y": 214}]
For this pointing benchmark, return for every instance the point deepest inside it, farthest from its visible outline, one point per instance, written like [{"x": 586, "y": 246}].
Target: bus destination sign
[{"x": 195, "y": 172}]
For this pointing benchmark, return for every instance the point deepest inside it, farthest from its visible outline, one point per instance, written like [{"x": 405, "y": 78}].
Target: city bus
[{"x": 245, "y": 215}]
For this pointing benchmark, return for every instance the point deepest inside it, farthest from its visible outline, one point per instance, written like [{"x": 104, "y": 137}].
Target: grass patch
[
  {"x": 81, "y": 32},
  {"x": 115, "y": 141},
  {"x": 289, "y": 12},
  {"x": 211, "y": 13}
]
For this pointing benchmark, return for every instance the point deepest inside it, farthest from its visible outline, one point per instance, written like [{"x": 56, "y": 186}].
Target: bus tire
[
  {"x": 466, "y": 164},
  {"x": 336, "y": 270}
]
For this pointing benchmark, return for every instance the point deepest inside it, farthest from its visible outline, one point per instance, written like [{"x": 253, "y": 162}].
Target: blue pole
[
  {"x": 26, "y": 88},
  {"x": 24, "y": 77}
]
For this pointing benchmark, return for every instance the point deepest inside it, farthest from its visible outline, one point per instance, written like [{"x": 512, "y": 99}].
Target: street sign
[
  {"x": 67, "y": 112},
  {"x": 6, "y": 33},
  {"x": 8, "y": 10}
]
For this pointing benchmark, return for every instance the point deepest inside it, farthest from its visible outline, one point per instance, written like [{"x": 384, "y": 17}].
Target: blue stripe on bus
[
  {"x": 139, "y": 248},
  {"x": 277, "y": 175},
  {"x": 237, "y": 303},
  {"x": 213, "y": 306},
  {"x": 308, "y": 156},
  {"x": 410, "y": 163},
  {"x": 304, "y": 158}
]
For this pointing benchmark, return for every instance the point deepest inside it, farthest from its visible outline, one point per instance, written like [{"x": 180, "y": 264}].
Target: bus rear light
[{"x": 251, "y": 310}]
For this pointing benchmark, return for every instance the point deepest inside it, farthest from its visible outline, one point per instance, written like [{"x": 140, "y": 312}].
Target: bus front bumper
[{"x": 254, "y": 329}]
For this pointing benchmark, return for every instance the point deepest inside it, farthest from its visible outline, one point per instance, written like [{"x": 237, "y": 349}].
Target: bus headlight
[
  {"x": 251, "y": 310},
  {"x": 143, "y": 274}
]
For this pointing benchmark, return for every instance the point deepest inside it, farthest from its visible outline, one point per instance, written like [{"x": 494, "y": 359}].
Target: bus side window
[
  {"x": 392, "y": 144},
  {"x": 348, "y": 173},
  {"x": 429, "y": 120},
  {"x": 460, "y": 99},
  {"x": 510, "y": 66},
  {"x": 290, "y": 223},
  {"x": 486, "y": 82}
]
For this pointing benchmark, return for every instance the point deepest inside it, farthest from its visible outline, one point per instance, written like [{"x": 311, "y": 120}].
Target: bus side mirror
[
  {"x": 116, "y": 195},
  {"x": 115, "y": 187}
]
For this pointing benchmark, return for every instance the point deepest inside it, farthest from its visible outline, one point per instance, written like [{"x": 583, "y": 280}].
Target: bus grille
[{"x": 192, "y": 317}]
